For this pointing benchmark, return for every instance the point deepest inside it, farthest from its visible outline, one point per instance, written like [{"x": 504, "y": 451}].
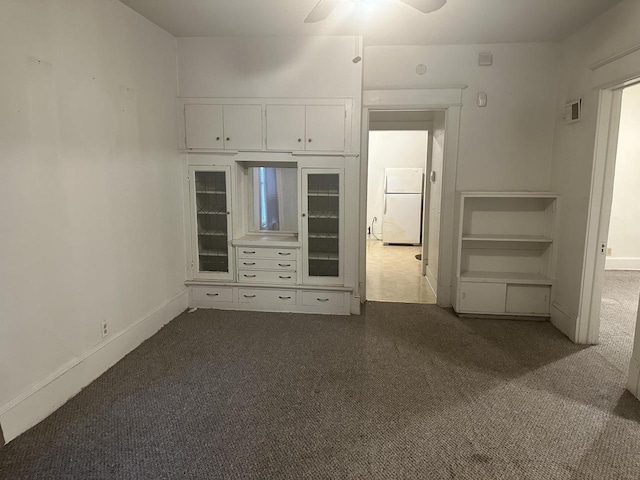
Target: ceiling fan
[{"x": 324, "y": 8}]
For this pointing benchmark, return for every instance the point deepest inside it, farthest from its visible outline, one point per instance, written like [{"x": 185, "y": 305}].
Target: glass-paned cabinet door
[
  {"x": 211, "y": 235},
  {"x": 323, "y": 225}
]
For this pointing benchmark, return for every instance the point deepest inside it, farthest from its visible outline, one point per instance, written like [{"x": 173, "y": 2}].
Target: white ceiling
[{"x": 383, "y": 22}]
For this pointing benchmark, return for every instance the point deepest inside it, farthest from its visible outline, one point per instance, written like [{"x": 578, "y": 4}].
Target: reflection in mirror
[{"x": 275, "y": 199}]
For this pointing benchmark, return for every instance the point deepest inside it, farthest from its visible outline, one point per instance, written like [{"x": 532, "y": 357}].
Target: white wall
[
  {"x": 435, "y": 200},
  {"x": 91, "y": 224},
  {"x": 624, "y": 228},
  {"x": 506, "y": 145},
  {"x": 573, "y": 152},
  {"x": 390, "y": 149}
]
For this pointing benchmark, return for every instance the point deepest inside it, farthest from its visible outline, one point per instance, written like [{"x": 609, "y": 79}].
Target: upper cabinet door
[
  {"x": 203, "y": 124},
  {"x": 243, "y": 127},
  {"x": 286, "y": 127},
  {"x": 325, "y": 127}
]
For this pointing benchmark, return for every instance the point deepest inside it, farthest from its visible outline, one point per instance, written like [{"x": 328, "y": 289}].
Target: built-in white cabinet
[
  {"x": 223, "y": 127},
  {"x": 325, "y": 128},
  {"x": 286, "y": 127},
  {"x": 323, "y": 225},
  {"x": 506, "y": 253},
  {"x": 210, "y": 198},
  {"x": 318, "y": 128}
]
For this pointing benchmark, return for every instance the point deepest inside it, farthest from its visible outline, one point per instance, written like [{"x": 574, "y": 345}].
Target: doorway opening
[
  {"x": 405, "y": 160},
  {"x": 611, "y": 285},
  {"x": 621, "y": 276}
]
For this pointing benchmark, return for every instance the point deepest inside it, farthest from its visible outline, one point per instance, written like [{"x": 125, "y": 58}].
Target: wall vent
[{"x": 573, "y": 112}]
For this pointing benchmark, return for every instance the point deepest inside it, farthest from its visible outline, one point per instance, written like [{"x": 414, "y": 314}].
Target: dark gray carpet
[{"x": 402, "y": 391}]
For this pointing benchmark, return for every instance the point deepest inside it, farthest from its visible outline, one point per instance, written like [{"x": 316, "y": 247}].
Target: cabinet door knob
[
  {"x": 299, "y": 140},
  {"x": 217, "y": 139},
  {"x": 309, "y": 140},
  {"x": 228, "y": 138},
  {"x": 304, "y": 214}
]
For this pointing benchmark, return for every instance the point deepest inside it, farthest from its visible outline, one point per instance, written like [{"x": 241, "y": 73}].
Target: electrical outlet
[
  {"x": 608, "y": 251},
  {"x": 105, "y": 329}
]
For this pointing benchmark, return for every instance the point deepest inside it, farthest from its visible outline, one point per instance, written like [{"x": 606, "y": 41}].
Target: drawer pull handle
[
  {"x": 284, "y": 277},
  {"x": 284, "y": 298},
  {"x": 249, "y": 263},
  {"x": 323, "y": 299},
  {"x": 247, "y": 252},
  {"x": 284, "y": 253},
  {"x": 212, "y": 294},
  {"x": 250, "y": 276},
  {"x": 249, "y": 296},
  {"x": 284, "y": 264}
]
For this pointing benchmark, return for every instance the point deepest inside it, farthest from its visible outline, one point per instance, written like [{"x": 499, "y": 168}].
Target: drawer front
[
  {"x": 270, "y": 297},
  {"x": 263, "y": 264},
  {"x": 528, "y": 299},
  {"x": 483, "y": 297},
  {"x": 265, "y": 276},
  {"x": 201, "y": 295},
  {"x": 266, "y": 252},
  {"x": 332, "y": 299}
]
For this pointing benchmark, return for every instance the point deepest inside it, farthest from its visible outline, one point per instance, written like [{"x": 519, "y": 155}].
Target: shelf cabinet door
[
  {"x": 203, "y": 126},
  {"x": 243, "y": 127},
  {"x": 483, "y": 297},
  {"x": 528, "y": 299},
  {"x": 285, "y": 127},
  {"x": 323, "y": 226},
  {"x": 325, "y": 128},
  {"x": 211, "y": 223}
]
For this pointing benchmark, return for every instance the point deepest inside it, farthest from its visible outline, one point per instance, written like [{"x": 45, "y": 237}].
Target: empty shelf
[
  {"x": 212, "y": 192},
  {"x": 323, "y": 235},
  {"x": 213, "y": 234},
  {"x": 323, "y": 214},
  {"x": 323, "y": 194},
  {"x": 214, "y": 253},
  {"x": 506, "y": 277},
  {"x": 323, "y": 256},
  {"x": 212, "y": 213},
  {"x": 476, "y": 237}
]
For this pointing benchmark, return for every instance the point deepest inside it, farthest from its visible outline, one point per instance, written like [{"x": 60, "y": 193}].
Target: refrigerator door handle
[{"x": 385, "y": 204}]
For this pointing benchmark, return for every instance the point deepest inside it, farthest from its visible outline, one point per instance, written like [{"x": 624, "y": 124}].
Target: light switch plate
[{"x": 482, "y": 99}]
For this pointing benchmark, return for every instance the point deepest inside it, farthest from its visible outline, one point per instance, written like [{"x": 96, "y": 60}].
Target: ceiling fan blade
[
  {"x": 425, "y": 6},
  {"x": 321, "y": 11}
]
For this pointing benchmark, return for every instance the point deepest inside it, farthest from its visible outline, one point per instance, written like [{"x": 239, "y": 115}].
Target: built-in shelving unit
[
  {"x": 211, "y": 207},
  {"x": 323, "y": 193},
  {"x": 506, "y": 253}
]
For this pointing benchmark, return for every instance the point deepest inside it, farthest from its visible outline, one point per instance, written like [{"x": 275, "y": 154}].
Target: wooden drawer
[
  {"x": 482, "y": 297},
  {"x": 528, "y": 299},
  {"x": 205, "y": 295},
  {"x": 265, "y": 264},
  {"x": 319, "y": 298},
  {"x": 268, "y": 297},
  {"x": 266, "y": 252},
  {"x": 265, "y": 276}
]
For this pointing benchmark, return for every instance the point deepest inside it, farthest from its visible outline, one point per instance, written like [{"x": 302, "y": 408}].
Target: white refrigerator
[{"x": 402, "y": 209}]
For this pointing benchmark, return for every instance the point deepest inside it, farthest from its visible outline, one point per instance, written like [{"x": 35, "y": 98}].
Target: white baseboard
[
  {"x": 634, "y": 378},
  {"x": 563, "y": 321},
  {"x": 622, "y": 263},
  {"x": 432, "y": 281},
  {"x": 45, "y": 397}
]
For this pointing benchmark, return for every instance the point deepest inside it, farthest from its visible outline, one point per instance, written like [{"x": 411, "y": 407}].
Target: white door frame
[
  {"x": 449, "y": 100},
  {"x": 600, "y": 201}
]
